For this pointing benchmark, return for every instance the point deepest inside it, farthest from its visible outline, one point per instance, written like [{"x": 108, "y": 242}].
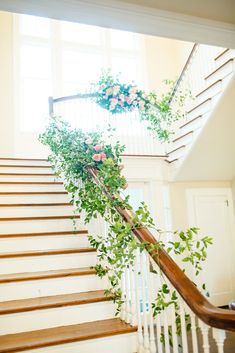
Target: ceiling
[{"x": 202, "y": 21}]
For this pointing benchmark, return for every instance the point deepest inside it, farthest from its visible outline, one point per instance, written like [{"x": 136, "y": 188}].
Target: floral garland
[
  {"x": 73, "y": 153},
  {"x": 118, "y": 98}
]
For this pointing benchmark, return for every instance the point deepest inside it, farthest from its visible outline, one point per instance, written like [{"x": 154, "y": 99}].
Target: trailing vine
[
  {"x": 156, "y": 110},
  {"x": 73, "y": 154}
]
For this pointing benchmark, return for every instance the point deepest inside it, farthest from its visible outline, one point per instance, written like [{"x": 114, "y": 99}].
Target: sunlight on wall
[{"x": 160, "y": 59}]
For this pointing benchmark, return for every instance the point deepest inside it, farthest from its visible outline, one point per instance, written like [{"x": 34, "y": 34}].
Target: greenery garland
[
  {"x": 73, "y": 152},
  {"x": 156, "y": 110}
]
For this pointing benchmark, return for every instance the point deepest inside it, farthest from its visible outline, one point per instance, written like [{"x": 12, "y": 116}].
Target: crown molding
[{"x": 136, "y": 18}]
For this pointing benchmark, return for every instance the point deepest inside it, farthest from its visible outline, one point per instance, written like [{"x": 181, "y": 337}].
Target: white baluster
[
  {"x": 166, "y": 333},
  {"x": 150, "y": 300},
  {"x": 183, "y": 328},
  {"x": 173, "y": 328},
  {"x": 205, "y": 335},
  {"x": 123, "y": 308},
  {"x": 144, "y": 302},
  {"x": 159, "y": 332},
  {"x": 219, "y": 336},
  {"x": 138, "y": 303},
  {"x": 127, "y": 297},
  {"x": 133, "y": 297},
  {"x": 194, "y": 332}
]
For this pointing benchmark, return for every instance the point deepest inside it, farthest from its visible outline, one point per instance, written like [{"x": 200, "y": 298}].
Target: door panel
[{"x": 211, "y": 211}]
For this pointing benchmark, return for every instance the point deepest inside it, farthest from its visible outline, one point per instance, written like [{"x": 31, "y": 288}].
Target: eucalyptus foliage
[{"x": 73, "y": 154}]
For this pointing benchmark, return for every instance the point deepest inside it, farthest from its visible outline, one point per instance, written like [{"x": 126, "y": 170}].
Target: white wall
[
  {"x": 179, "y": 202},
  {"x": 159, "y": 65},
  {"x": 6, "y": 85}
]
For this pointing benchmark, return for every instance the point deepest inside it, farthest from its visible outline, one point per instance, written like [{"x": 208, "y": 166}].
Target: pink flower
[
  {"x": 122, "y": 97},
  {"x": 141, "y": 105},
  {"x": 96, "y": 157},
  {"x": 133, "y": 90},
  {"x": 116, "y": 90},
  {"x": 98, "y": 147},
  {"x": 114, "y": 101},
  {"x": 103, "y": 156}
]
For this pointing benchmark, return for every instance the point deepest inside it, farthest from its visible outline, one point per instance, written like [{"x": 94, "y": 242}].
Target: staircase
[
  {"x": 207, "y": 92},
  {"x": 50, "y": 298}
]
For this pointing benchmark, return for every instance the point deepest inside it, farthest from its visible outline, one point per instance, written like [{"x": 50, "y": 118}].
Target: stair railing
[
  {"x": 139, "y": 285},
  {"x": 81, "y": 111}
]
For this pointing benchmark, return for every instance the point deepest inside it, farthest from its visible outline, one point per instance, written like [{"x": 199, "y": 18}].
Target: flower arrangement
[
  {"x": 117, "y": 97},
  {"x": 73, "y": 153}
]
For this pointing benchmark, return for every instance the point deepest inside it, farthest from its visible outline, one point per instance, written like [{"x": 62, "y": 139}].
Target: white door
[
  {"x": 138, "y": 192},
  {"x": 211, "y": 210}
]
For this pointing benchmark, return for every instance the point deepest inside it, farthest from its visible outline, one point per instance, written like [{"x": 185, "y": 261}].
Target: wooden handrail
[
  {"x": 185, "y": 68},
  {"x": 202, "y": 308}
]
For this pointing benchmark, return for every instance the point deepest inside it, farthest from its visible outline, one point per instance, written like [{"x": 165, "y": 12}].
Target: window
[{"x": 61, "y": 58}]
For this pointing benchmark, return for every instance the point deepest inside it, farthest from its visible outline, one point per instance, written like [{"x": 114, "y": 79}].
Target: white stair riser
[
  {"x": 30, "y": 187},
  {"x": 196, "y": 124},
  {"x": 33, "y": 226},
  {"x": 46, "y": 263},
  {"x": 44, "y": 243},
  {"x": 210, "y": 92},
  {"x": 30, "y": 170},
  {"x": 23, "y": 162},
  {"x": 200, "y": 110},
  {"x": 177, "y": 154},
  {"x": 68, "y": 315},
  {"x": 125, "y": 343},
  {"x": 43, "y": 198},
  {"x": 225, "y": 57},
  {"x": 30, "y": 178},
  {"x": 53, "y": 286},
  {"x": 222, "y": 72},
  {"x": 183, "y": 141},
  {"x": 36, "y": 211}
]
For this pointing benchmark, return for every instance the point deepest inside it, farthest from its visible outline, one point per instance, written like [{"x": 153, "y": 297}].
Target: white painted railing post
[
  {"x": 144, "y": 301},
  {"x": 133, "y": 297},
  {"x": 150, "y": 301},
  {"x": 139, "y": 316},
  {"x": 127, "y": 297},
  {"x": 205, "y": 335},
  {"x": 219, "y": 337},
  {"x": 194, "y": 332},
  {"x": 123, "y": 307}
]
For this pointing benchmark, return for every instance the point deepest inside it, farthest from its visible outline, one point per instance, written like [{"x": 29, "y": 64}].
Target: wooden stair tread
[
  {"x": 176, "y": 149},
  {"x": 31, "y": 182},
  {"x": 28, "y": 174},
  {"x": 23, "y": 159},
  {"x": 43, "y": 234},
  {"x": 218, "y": 68},
  {"x": 222, "y": 53},
  {"x": 181, "y": 136},
  {"x": 53, "y": 301},
  {"x": 24, "y": 166},
  {"x": 208, "y": 87},
  {"x": 198, "y": 105},
  {"x": 40, "y": 218},
  {"x": 63, "y": 334},
  {"x": 35, "y": 204},
  {"x": 34, "y": 193},
  {"x": 191, "y": 120},
  {"x": 39, "y": 275},
  {"x": 47, "y": 252}
]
